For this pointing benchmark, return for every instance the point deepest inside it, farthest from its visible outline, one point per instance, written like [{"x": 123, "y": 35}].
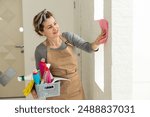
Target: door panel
[{"x": 11, "y": 58}]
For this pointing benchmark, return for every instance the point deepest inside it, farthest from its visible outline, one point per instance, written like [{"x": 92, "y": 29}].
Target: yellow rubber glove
[{"x": 28, "y": 88}]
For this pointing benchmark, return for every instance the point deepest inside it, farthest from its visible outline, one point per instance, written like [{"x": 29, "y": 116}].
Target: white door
[{"x": 11, "y": 49}]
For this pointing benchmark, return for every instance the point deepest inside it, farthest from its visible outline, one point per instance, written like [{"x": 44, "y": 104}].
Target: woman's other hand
[{"x": 34, "y": 94}]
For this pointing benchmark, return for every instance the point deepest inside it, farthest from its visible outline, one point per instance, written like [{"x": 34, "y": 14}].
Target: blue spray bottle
[{"x": 36, "y": 77}]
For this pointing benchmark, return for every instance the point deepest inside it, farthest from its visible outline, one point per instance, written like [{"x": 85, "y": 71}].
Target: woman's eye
[
  {"x": 55, "y": 23},
  {"x": 49, "y": 27}
]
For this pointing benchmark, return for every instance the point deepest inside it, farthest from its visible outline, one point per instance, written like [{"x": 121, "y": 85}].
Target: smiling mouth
[{"x": 55, "y": 32}]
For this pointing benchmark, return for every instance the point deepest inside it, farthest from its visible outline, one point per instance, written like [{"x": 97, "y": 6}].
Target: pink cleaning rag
[{"x": 103, "y": 23}]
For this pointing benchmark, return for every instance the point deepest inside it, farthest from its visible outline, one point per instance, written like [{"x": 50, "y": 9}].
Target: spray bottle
[
  {"x": 42, "y": 67},
  {"x": 36, "y": 77},
  {"x": 47, "y": 76}
]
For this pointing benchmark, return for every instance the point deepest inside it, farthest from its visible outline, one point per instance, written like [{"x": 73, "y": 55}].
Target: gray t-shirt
[{"x": 75, "y": 40}]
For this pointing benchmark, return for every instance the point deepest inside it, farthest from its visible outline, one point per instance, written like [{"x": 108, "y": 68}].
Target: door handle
[{"x": 19, "y": 46}]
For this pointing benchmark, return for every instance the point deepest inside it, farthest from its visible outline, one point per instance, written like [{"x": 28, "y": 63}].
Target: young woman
[{"x": 57, "y": 49}]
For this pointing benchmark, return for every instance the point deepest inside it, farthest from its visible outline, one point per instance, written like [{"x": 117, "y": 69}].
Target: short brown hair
[{"x": 39, "y": 19}]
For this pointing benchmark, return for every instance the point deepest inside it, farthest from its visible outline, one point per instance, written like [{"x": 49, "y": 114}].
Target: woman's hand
[
  {"x": 34, "y": 94},
  {"x": 102, "y": 38}
]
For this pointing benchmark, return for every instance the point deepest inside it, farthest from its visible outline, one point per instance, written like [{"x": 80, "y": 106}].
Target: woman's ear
[{"x": 42, "y": 33}]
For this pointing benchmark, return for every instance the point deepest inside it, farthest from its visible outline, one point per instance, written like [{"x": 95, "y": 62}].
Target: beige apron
[{"x": 64, "y": 64}]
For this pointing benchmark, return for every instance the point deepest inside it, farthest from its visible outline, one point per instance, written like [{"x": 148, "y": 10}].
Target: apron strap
[{"x": 66, "y": 41}]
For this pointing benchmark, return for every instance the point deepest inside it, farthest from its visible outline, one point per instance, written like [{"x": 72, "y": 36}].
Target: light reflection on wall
[{"x": 99, "y": 56}]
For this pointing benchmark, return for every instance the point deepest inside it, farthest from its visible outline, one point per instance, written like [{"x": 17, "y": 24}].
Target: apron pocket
[{"x": 74, "y": 86}]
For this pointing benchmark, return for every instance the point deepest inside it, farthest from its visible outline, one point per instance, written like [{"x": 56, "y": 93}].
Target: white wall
[
  {"x": 130, "y": 49},
  {"x": 141, "y": 56},
  {"x": 122, "y": 49}
]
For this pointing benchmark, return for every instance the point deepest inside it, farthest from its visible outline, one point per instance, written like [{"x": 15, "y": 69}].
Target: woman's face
[{"x": 51, "y": 28}]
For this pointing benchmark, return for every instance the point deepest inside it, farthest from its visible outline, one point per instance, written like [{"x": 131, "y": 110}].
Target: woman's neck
[{"x": 54, "y": 43}]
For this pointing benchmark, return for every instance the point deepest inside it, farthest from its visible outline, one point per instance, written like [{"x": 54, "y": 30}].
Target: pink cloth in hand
[{"x": 103, "y": 23}]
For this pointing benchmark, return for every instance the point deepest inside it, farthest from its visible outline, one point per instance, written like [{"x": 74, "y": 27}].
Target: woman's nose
[{"x": 54, "y": 28}]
